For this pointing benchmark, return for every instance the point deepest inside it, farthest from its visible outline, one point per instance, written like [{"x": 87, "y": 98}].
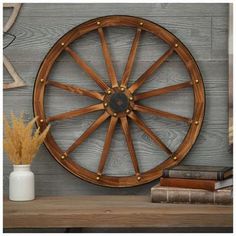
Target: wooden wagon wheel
[{"x": 119, "y": 102}]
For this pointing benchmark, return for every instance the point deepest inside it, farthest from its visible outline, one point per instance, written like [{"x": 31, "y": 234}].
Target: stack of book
[{"x": 195, "y": 184}]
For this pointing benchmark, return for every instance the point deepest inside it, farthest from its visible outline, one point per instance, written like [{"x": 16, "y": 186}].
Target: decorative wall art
[
  {"x": 18, "y": 82},
  {"x": 118, "y": 101}
]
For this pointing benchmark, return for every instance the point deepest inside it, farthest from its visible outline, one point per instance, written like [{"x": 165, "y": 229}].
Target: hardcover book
[
  {"x": 198, "y": 172},
  {"x": 210, "y": 185},
  {"x": 185, "y": 195}
]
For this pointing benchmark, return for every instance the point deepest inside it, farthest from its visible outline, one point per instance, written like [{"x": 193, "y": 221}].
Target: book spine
[
  {"x": 188, "y": 183},
  {"x": 186, "y": 174},
  {"x": 191, "y": 196}
]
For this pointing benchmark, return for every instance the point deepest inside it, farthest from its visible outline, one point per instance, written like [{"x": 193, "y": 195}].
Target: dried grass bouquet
[{"x": 19, "y": 143}]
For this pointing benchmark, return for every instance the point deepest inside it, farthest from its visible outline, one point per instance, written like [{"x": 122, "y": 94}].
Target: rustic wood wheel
[{"x": 119, "y": 102}]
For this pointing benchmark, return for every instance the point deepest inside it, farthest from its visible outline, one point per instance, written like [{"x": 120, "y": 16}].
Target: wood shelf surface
[{"x": 111, "y": 211}]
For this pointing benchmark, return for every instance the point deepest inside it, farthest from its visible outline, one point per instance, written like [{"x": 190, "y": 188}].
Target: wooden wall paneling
[
  {"x": 220, "y": 38},
  {"x": 143, "y": 10},
  {"x": 211, "y": 148},
  {"x": 211, "y": 70},
  {"x": 195, "y": 32}
]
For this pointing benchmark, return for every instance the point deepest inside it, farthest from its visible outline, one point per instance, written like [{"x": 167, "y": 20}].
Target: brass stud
[
  {"x": 41, "y": 121},
  {"x": 105, "y": 104},
  {"x": 62, "y": 44},
  {"x": 174, "y": 158},
  {"x": 109, "y": 91},
  {"x": 176, "y": 45},
  {"x": 131, "y": 98},
  {"x": 196, "y": 122},
  {"x": 98, "y": 176},
  {"x": 114, "y": 114},
  {"x": 139, "y": 178},
  {"x": 42, "y": 80},
  {"x": 127, "y": 111},
  {"x": 122, "y": 89},
  {"x": 64, "y": 156},
  {"x": 98, "y": 23},
  {"x": 141, "y": 23},
  {"x": 196, "y": 81}
]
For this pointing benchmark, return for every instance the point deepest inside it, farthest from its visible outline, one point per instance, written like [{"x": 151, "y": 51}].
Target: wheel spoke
[
  {"x": 107, "y": 143},
  {"x": 165, "y": 114},
  {"x": 88, "y": 132},
  {"x": 77, "y": 112},
  {"x": 164, "y": 90},
  {"x": 77, "y": 90},
  {"x": 107, "y": 57},
  {"x": 149, "y": 132},
  {"x": 130, "y": 62},
  {"x": 125, "y": 127},
  {"x": 87, "y": 69},
  {"x": 150, "y": 70}
]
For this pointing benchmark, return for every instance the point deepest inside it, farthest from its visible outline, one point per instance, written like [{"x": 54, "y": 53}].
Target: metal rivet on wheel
[
  {"x": 127, "y": 111},
  {"x": 98, "y": 23},
  {"x": 115, "y": 114},
  {"x": 139, "y": 178},
  {"x": 41, "y": 120},
  {"x": 174, "y": 158},
  {"x": 196, "y": 122},
  {"x": 109, "y": 91},
  {"x": 64, "y": 156},
  {"x": 62, "y": 44},
  {"x": 141, "y": 23},
  {"x": 131, "y": 98},
  {"x": 196, "y": 81},
  {"x": 122, "y": 89},
  {"x": 97, "y": 178},
  {"x": 105, "y": 104},
  {"x": 42, "y": 80},
  {"x": 176, "y": 45}
]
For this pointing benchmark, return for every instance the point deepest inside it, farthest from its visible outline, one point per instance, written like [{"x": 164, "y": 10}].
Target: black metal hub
[{"x": 118, "y": 102}]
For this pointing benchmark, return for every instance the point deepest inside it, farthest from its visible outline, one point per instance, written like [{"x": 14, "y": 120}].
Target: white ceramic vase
[{"x": 21, "y": 183}]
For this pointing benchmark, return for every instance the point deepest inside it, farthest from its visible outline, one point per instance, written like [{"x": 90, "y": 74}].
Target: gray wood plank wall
[{"x": 203, "y": 28}]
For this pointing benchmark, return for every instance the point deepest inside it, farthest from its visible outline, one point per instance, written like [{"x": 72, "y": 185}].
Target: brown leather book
[
  {"x": 189, "y": 183},
  {"x": 188, "y": 195}
]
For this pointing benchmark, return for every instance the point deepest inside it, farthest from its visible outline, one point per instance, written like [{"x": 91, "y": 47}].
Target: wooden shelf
[{"x": 111, "y": 211}]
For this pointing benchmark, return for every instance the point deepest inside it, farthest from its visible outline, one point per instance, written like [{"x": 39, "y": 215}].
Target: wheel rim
[{"x": 120, "y": 102}]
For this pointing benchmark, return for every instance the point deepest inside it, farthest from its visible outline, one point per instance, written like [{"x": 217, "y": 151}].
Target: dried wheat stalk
[{"x": 19, "y": 143}]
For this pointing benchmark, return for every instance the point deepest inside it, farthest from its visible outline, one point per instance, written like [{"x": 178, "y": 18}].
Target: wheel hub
[{"x": 118, "y": 102}]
